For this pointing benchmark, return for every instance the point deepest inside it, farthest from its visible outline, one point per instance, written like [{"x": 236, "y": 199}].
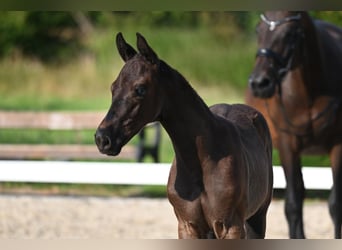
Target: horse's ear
[
  {"x": 126, "y": 51},
  {"x": 146, "y": 50}
]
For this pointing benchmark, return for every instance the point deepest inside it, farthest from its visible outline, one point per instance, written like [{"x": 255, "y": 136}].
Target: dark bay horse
[
  {"x": 297, "y": 84},
  {"x": 220, "y": 182}
]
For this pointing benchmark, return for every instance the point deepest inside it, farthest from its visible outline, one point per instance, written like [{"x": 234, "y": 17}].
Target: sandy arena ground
[{"x": 64, "y": 217}]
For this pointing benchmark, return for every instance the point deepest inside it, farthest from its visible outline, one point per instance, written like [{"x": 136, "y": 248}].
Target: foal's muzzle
[{"x": 105, "y": 144}]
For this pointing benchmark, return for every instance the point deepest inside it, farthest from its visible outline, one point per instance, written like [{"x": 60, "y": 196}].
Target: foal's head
[
  {"x": 136, "y": 97},
  {"x": 280, "y": 35}
]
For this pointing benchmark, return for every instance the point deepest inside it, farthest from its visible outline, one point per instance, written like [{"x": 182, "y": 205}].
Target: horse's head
[
  {"x": 136, "y": 97},
  {"x": 279, "y": 37}
]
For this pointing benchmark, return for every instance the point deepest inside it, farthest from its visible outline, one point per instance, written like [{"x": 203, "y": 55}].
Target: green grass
[
  {"x": 84, "y": 83},
  {"x": 216, "y": 65},
  {"x": 84, "y": 189},
  {"x": 306, "y": 160},
  {"x": 37, "y": 136}
]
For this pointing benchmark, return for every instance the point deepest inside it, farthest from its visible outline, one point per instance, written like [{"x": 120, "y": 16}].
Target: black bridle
[{"x": 285, "y": 63}]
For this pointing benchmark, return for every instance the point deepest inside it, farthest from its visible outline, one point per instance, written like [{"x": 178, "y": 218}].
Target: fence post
[{"x": 143, "y": 149}]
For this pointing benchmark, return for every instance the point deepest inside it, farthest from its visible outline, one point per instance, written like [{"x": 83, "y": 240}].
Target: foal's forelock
[{"x": 136, "y": 66}]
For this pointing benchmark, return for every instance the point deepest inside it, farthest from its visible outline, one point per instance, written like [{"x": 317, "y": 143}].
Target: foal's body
[
  {"x": 221, "y": 174},
  {"x": 220, "y": 182},
  {"x": 214, "y": 186}
]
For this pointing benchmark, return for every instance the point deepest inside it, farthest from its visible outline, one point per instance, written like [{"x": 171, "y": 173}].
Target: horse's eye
[{"x": 140, "y": 90}]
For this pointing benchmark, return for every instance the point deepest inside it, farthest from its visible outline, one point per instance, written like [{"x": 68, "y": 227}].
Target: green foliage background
[{"x": 54, "y": 36}]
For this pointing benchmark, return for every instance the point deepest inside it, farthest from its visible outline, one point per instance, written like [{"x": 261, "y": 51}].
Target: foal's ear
[
  {"x": 126, "y": 51},
  {"x": 146, "y": 50}
]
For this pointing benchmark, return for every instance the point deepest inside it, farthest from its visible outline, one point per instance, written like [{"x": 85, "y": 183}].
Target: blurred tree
[
  {"x": 11, "y": 26},
  {"x": 50, "y": 36},
  {"x": 47, "y": 36},
  {"x": 334, "y": 17},
  {"x": 59, "y": 36}
]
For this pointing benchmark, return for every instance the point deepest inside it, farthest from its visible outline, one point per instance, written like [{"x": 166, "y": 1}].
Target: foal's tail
[{"x": 262, "y": 128}]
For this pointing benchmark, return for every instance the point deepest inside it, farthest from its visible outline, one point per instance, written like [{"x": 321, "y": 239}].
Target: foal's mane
[{"x": 180, "y": 84}]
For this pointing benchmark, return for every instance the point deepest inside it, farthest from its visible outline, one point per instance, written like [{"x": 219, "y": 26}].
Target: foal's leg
[
  {"x": 190, "y": 230},
  {"x": 295, "y": 189},
  {"x": 256, "y": 225},
  {"x": 233, "y": 229},
  {"x": 335, "y": 199}
]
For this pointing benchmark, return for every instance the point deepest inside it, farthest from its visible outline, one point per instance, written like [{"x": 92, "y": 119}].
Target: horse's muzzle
[{"x": 261, "y": 87}]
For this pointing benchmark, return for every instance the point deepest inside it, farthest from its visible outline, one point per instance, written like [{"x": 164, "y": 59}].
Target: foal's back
[{"x": 247, "y": 119}]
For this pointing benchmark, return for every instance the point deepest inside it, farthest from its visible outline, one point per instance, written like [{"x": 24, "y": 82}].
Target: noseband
[{"x": 285, "y": 63}]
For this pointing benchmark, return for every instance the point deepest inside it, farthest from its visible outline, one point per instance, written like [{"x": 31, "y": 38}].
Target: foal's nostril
[
  {"x": 103, "y": 142},
  {"x": 107, "y": 143},
  {"x": 98, "y": 139}
]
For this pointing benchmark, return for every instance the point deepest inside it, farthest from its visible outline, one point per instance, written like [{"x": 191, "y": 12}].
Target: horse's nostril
[
  {"x": 260, "y": 83},
  {"x": 264, "y": 83},
  {"x": 252, "y": 84}
]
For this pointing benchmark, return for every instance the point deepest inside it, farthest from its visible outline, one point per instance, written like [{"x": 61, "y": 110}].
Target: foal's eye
[{"x": 140, "y": 90}]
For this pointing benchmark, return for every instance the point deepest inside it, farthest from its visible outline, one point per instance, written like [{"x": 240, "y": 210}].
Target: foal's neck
[{"x": 186, "y": 118}]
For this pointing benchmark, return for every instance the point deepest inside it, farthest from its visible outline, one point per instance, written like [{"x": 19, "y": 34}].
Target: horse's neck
[
  {"x": 317, "y": 61},
  {"x": 330, "y": 47},
  {"x": 302, "y": 85},
  {"x": 187, "y": 119},
  {"x": 310, "y": 65}
]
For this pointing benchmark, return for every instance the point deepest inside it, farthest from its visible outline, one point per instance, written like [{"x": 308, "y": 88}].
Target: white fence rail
[{"x": 126, "y": 173}]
